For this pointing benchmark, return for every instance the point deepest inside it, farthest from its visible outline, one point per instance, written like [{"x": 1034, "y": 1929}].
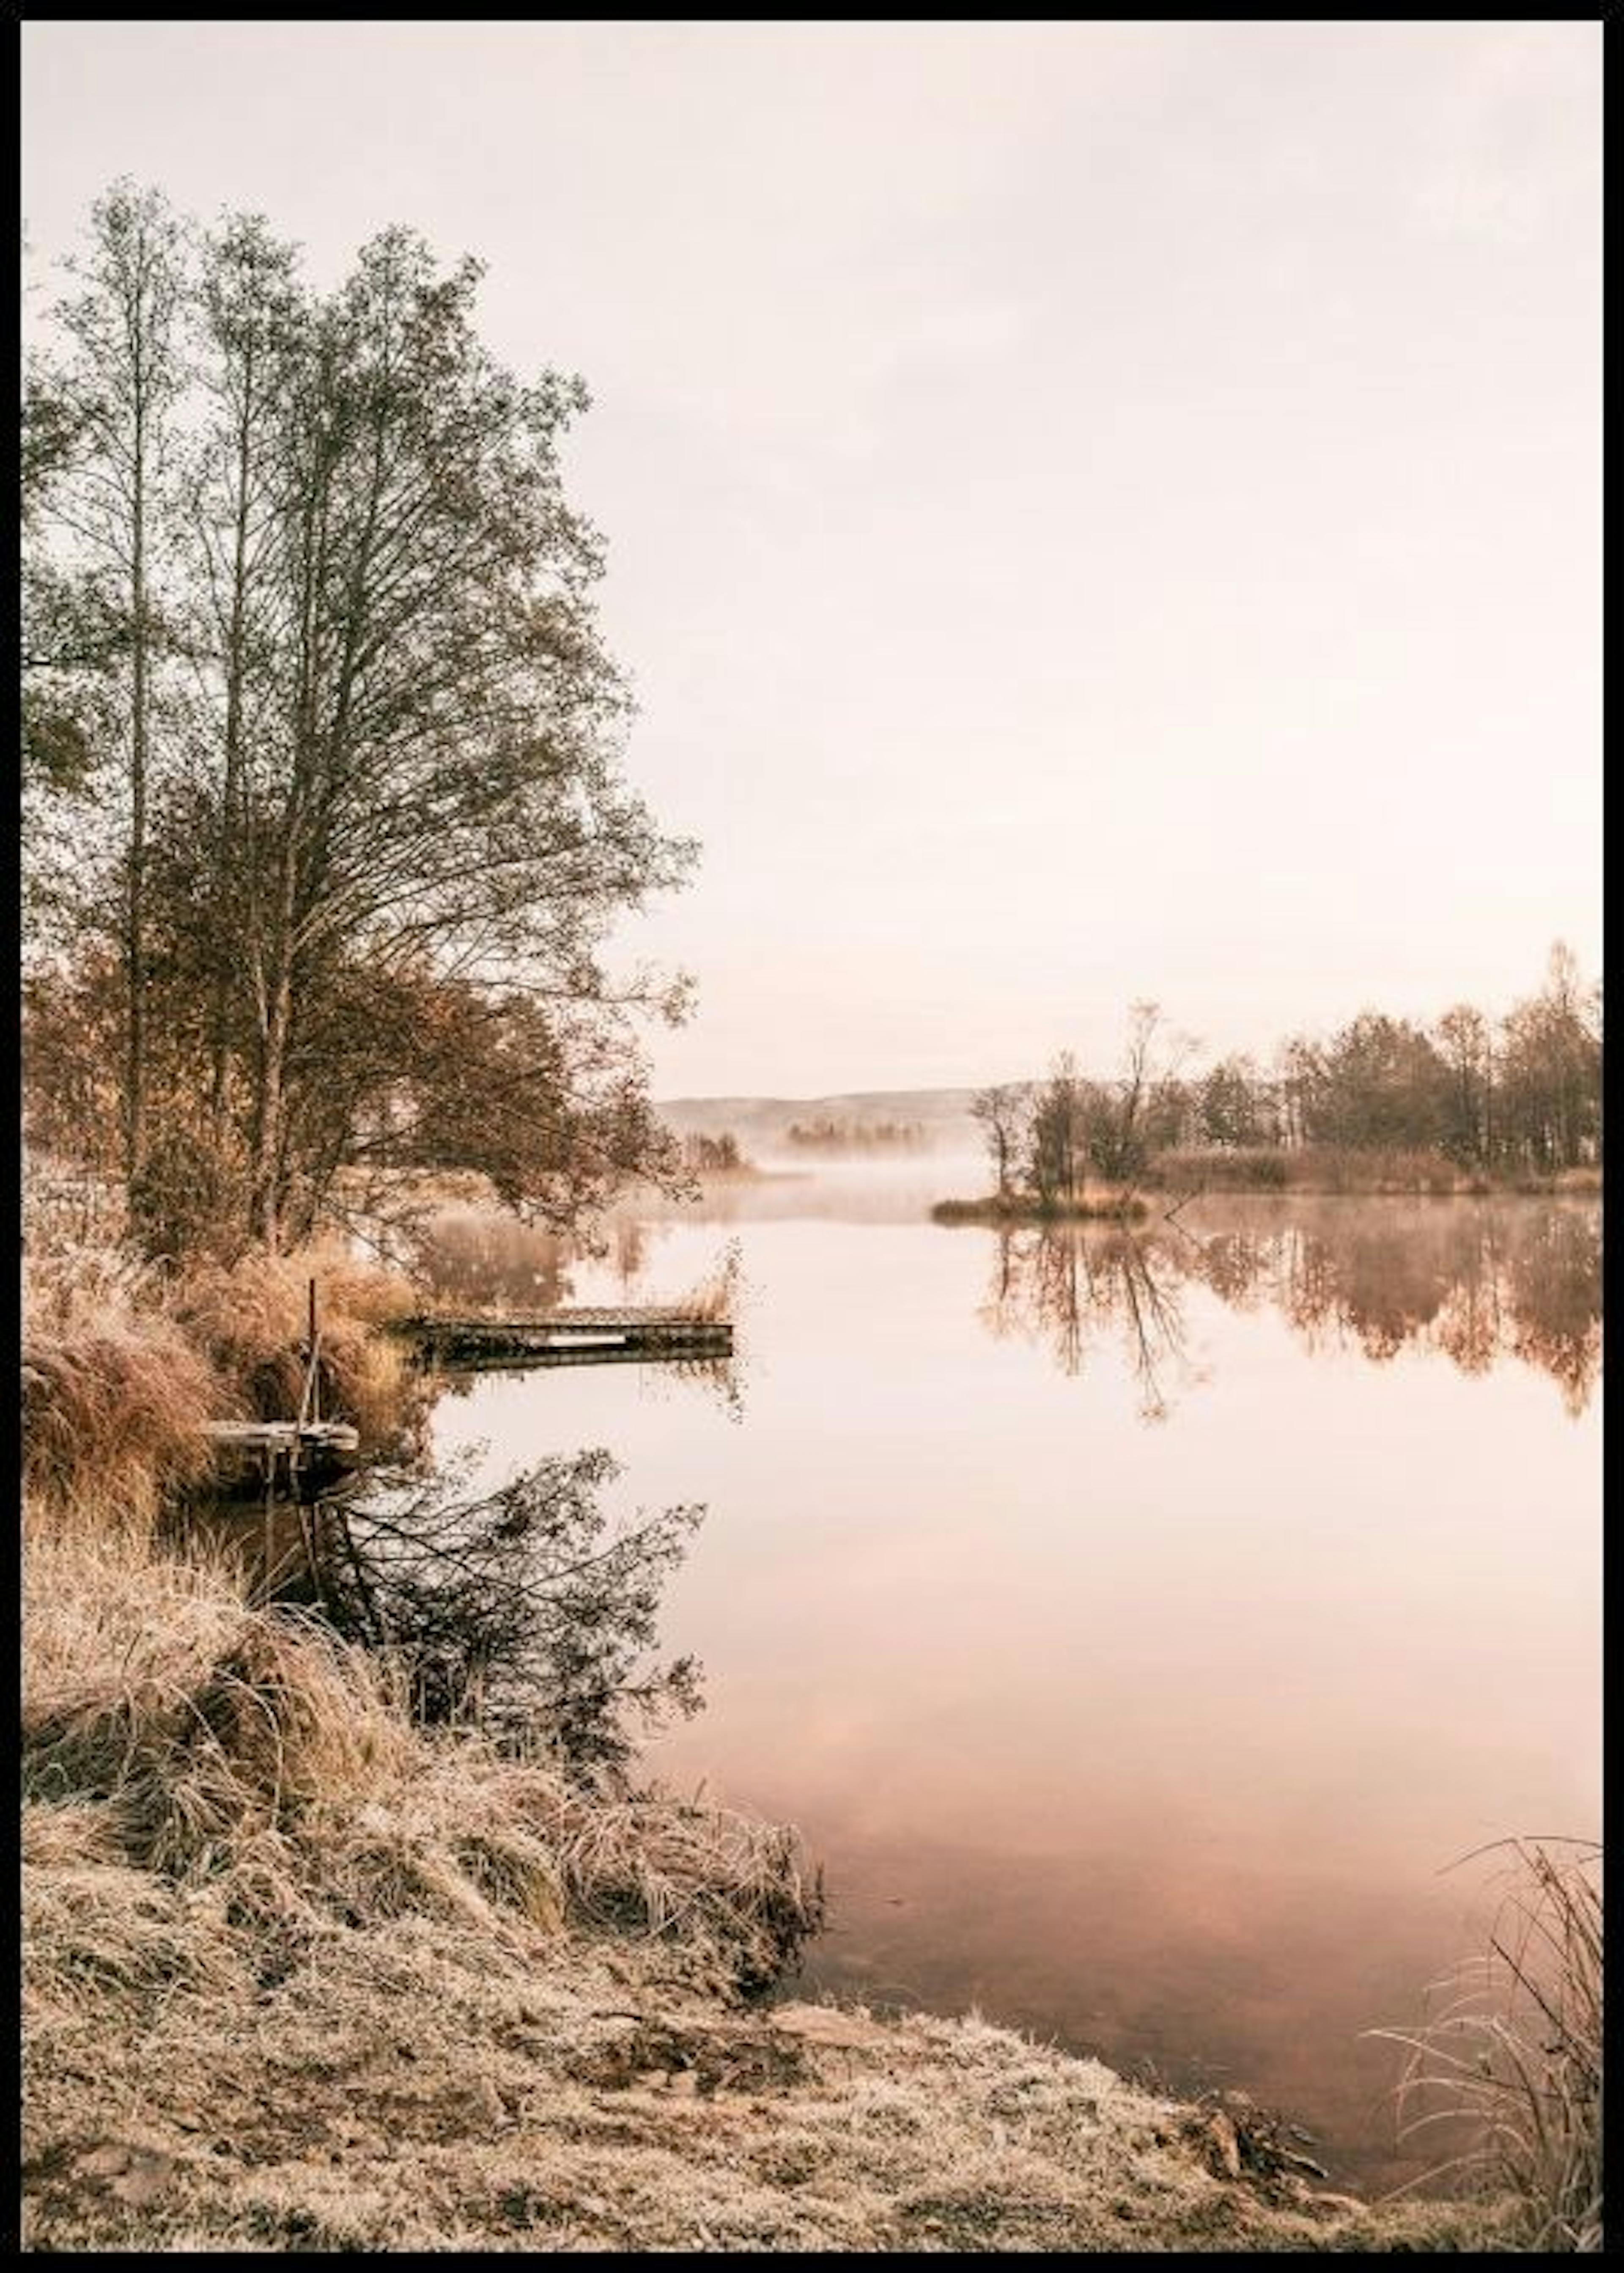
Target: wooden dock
[
  {"x": 304, "y": 1449},
  {"x": 283, "y": 1436},
  {"x": 576, "y": 1337},
  {"x": 292, "y": 1447}
]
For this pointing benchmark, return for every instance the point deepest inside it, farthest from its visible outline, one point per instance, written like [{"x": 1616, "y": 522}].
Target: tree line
[
  {"x": 1520, "y": 1095},
  {"x": 719, "y": 1155},
  {"x": 325, "y": 823},
  {"x": 829, "y": 1133}
]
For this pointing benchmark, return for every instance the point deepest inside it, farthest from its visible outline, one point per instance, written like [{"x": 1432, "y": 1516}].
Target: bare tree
[
  {"x": 249, "y": 313},
  {"x": 124, "y": 323},
  {"x": 1125, "y": 1119},
  {"x": 1003, "y": 1110},
  {"x": 1466, "y": 1043},
  {"x": 1057, "y": 1136},
  {"x": 441, "y": 803}
]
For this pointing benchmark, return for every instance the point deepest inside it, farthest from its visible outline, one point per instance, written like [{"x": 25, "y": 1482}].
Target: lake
[{"x": 1136, "y": 1626}]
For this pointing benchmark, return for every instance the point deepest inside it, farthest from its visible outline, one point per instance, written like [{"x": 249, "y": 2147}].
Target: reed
[
  {"x": 1403, "y": 1171},
  {"x": 1514, "y": 2053},
  {"x": 712, "y": 1301}
]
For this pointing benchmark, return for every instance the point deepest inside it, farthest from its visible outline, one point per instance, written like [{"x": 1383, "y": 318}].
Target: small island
[{"x": 1068, "y": 1150}]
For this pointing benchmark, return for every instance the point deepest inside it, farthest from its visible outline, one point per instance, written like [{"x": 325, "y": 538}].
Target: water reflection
[
  {"x": 478, "y": 1260},
  {"x": 529, "y": 1611},
  {"x": 1091, "y": 1728},
  {"x": 1477, "y": 1284},
  {"x": 1068, "y": 1285}
]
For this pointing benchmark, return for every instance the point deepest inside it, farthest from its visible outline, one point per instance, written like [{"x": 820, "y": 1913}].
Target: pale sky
[{"x": 1093, "y": 510}]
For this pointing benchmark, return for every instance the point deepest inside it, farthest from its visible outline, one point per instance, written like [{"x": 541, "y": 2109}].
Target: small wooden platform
[
  {"x": 579, "y": 1337},
  {"x": 295, "y": 1443}
]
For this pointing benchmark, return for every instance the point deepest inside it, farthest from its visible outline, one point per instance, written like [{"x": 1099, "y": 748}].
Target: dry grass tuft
[
  {"x": 714, "y": 1300},
  {"x": 96, "y": 1929},
  {"x": 123, "y": 1365},
  {"x": 1515, "y": 2053},
  {"x": 251, "y": 1318},
  {"x": 115, "y": 1417},
  {"x": 114, "y": 1395},
  {"x": 252, "y": 1749},
  {"x": 657, "y": 1867}
]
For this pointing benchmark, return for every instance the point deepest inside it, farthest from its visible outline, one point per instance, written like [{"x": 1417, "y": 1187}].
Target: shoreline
[
  {"x": 301, "y": 1974},
  {"x": 990, "y": 1209},
  {"x": 1128, "y": 1209}
]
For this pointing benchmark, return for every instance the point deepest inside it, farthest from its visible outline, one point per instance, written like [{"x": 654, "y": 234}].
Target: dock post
[{"x": 315, "y": 1376}]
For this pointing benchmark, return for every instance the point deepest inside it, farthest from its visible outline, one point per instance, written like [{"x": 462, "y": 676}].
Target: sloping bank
[{"x": 300, "y": 1975}]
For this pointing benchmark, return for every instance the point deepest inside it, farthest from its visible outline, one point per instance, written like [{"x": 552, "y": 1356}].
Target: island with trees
[{"x": 1469, "y": 1105}]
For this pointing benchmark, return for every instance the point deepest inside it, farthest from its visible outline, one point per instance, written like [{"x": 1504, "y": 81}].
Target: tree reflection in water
[
  {"x": 1070, "y": 1283},
  {"x": 478, "y": 1260},
  {"x": 527, "y": 1611},
  {"x": 1479, "y": 1283}
]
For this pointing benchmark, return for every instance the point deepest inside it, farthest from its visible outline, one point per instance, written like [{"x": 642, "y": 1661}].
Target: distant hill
[{"x": 762, "y": 1123}]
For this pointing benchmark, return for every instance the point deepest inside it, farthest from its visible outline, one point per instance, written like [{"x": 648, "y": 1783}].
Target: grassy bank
[
  {"x": 1409, "y": 1172},
  {"x": 123, "y": 1362},
  {"x": 1312, "y": 1168},
  {"x": 300, "y": 1974},
  {"x": 297, "y": 1976},
  {"x": 1089, "y": 1207}
]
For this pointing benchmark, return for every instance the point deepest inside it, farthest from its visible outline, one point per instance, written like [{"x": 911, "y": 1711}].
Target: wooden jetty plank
[
  {"x": 630, "y": 1318},
  {"x": 578, "y": 1336},
  {"x": 283, "y": 1436},
  {"x": 548, "y": 1330},
  {"x": 520, "y": 1358}
]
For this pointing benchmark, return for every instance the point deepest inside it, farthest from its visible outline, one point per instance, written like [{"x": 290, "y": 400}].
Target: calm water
[{"x": 1135, "y": 1627}]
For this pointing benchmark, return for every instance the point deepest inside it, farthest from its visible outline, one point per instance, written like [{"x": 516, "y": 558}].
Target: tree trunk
[
  {"x": 266, "y": 1177},
  {"x": 264, "y": 1192},
  {"x": 219, "y": 1021},
  {"x": 135, "y": 911}
]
